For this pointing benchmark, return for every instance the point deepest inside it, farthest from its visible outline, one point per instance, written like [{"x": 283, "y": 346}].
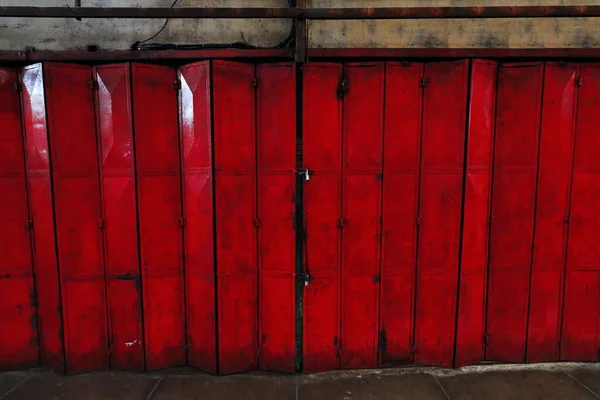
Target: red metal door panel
[
  {"x": 196, "y": 158},
  {"x": 361, "y": 207},
  {"x": 277, "y": 324},
  {"x": 237, "y": 298},
  {"x": 235, "y": 193},
  {"x": 552, "y": 208},
  {"x": 402, "y": 152},
  {"x": 582, "y": 287},
  {"x": 360, "y": 288},
  {"x": 71, "y": 129},
  {"x": 322, "y": 142},
  {"x": 45, "y": 265},
  {"x": 476, "y": 211},
  {"x": 513, "y": 203},
  {"x": 440, "y": 198},
  {"x": 276, "y": 146},
  {"x": 115, "y": 143},
  {"x": 580, "y": 320},
  {"x": 18, "y": 319},
  {"x": 159, "y": 204}
]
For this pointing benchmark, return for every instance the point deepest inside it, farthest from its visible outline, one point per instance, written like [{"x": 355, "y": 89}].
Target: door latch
[
  {"x": 305, "y": 277},
  {"x": 305, "y": 172}
]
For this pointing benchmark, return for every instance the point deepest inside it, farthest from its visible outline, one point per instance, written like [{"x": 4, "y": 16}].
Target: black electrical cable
[
  {"x": 138, "y": 43},
  {"x": 140, "y": 46}
]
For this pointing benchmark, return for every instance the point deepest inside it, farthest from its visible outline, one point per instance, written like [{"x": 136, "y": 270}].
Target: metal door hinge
[
  {"x": 18, "y": 86},
  {"x": 376, "y": 279},
  {"x": 490, "y": 220},
  {"x": 568, "y": 219},
  {"x": 257, "y": 353},
  {"x": 257, "y": 222},
  {"x": 93, "y": 84},
  {"x": 418, "y": 221},
  {"x": 580, "y": 81},
  {"x": 414, "y": 349},
  {"x": 424, "y": 82},
  {"x": 486, "y": 340},
  {"x": 339, "y": 352},
  {"x": 177, "y": 84},
  {"x": 29, "y": 225},
  {"x": 255, "y": 82},
  {"x": 181, "y": 222},
  {"x": 379, "y": 177},
  {"x": 342, "y": 89},
  {"x": 101, "y": 223},
  {"x": 341, "y": 222}
]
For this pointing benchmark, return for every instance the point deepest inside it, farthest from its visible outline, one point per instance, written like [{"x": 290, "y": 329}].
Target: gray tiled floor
[{"x": 549, "y": 381}]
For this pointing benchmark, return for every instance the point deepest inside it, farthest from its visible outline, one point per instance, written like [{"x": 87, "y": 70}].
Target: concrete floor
[{"x": 543, "y": 381}]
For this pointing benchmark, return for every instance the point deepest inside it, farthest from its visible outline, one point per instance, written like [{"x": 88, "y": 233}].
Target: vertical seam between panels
[
  {"x": 562, "y": 289},
  {"x": 214, "y": 209},
  {"x": 182, "y": 244},
  {"x": 383, "y": 90},
  {"x": 63, "y": 318},
  {"x": 490, "y": 210},
  {"x": 103, "y": 238},
  {"x": 535, "y": 208},
  {"x": 341, "y": 113},
  {"x": 418, "y": 226},
  {"x": 299, "y": 220},
  {"x": 258, "y": 238},
  {"x": 31, "y": 233},
  {"x": 467, "y": 131},
  {"x": 137, "y": 211}
]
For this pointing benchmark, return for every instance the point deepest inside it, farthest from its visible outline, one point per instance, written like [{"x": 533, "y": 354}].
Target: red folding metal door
[
  {"x": 402, "y": 154},
  {"x": 117, "y": 185},
  {"x": 579, "y": 339},
  {"x": 513, "y": 207},
  {"x": 41, "y": 203},
  {"x": 450, "y": 215},
  {"x": 276, "y": 157},
  {"x": 362, "y": 145},
  {"x": 197, "y": 186},
  {"x": 156, "y": 144},
  {"x": 470, "y": 327},
  {"x": 551, "y": 213},
  {"x": 440, "y": 206},
  {"x": 79, "y": 223},
  {"x": 343, "y": 144},
  {"x": 234, "y": 130},
  {"x": 349, "y": 143},
  {"x": 254, "y": 141},
  {"x": 322, "y": 145},
  {"x": 18, "y": 319}
]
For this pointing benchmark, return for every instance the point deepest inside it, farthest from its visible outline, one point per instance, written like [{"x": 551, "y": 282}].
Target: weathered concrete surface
[
  {"x": 9, "y": 382},
  {"x": 547, "y": 381},
  {"x": 70, "y": 34},
  {"x": 255, "y": 387},
  {"x": 120, "y": 34},
  {"x": 87, "y": 386},
  {"x": 515, "y": 385},
  {"x": 370, "y": 386},
  {"x": 455, "y": 33}
]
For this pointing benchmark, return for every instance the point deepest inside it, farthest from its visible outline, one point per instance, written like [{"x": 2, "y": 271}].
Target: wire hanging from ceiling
[{"x": 144, "y": 45}]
